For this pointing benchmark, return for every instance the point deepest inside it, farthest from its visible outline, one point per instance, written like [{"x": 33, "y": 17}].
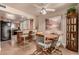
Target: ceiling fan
[{"x": 44, "y": 8}]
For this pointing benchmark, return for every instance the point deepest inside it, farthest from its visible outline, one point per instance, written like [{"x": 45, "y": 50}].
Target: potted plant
[{"x": 71, "y": 11}]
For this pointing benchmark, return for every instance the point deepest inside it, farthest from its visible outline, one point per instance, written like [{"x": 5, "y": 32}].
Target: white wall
[
  {"x": 63, "y": 28},
  {"x": 41, "y": 24}
]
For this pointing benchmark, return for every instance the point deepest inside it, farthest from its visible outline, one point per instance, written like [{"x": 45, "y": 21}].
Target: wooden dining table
[
  {"x": 48, "y": 36},
  {"x": 51, "y": 36}
]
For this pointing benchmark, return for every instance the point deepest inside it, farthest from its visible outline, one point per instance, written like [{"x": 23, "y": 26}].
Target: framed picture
[{"x": 52, "y": 22}]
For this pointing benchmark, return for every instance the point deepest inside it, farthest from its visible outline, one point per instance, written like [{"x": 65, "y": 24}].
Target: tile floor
[{"x": 7, "y": 49}]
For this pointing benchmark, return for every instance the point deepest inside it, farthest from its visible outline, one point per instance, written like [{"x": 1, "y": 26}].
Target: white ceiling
[
  {"x": 32, "y": 7},
  {"x": 9, "y": 18}
]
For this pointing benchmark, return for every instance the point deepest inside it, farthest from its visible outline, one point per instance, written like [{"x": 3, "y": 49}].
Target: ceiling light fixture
[{"x": 43, "y": 11}]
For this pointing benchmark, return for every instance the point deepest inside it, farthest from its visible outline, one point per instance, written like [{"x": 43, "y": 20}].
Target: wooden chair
[
  {"x": 20, "y": 40},
  {"x": 30, "y": 36},
  {"x": 55, "y": 47},
  {"x": 42, "y": 47}
]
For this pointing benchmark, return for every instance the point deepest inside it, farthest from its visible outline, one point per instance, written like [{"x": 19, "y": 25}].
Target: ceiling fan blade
[
  {"x": 36, "y": 6},
  {"x": 48, "y": 4},
  {"x": 50, "y": 10}
]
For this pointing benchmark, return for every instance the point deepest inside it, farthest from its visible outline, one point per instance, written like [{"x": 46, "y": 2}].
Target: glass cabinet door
[
  {"x": 74, "y": 28},
  {"x": 74, "y": 20},
  {"x": 72, "y": 33},
  {"x": 69, "y": 21},
  {"x": 69, "y": 28}
]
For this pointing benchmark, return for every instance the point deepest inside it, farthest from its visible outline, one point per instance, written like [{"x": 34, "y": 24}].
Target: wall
[
  {"x": 41, "y": 24},
  {"x": 63, "y": 28}
]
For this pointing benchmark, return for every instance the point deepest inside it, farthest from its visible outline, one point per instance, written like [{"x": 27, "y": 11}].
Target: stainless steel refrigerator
[{"x": 5, "y": 30}]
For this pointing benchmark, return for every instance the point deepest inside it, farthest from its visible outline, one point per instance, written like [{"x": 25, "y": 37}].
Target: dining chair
[
  {"x": 56, "y": 46},
  {"x": 41, "y": 46}
]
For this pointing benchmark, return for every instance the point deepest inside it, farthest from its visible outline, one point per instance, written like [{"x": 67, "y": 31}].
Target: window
[{"x": 24, "y": 24}]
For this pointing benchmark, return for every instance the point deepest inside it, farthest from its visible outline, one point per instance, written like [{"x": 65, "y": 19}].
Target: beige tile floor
[{"x": 7, "y": 49}]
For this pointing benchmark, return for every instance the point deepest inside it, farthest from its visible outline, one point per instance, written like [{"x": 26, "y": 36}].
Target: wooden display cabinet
[{"x": 72, "y": 32}]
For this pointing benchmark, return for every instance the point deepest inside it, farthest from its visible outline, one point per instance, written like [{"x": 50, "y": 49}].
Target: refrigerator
[{"x": 5, "y": 31}]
